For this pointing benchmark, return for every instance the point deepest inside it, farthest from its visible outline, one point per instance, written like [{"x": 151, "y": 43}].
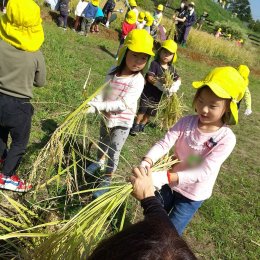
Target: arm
[
  {"x": 164, "y": 145},
  {"x": 40, "y": 73},
  {"x": 211, "y": 164},
  {"x": 126, "y": 102},
  {"x": 247, "y": 97}
]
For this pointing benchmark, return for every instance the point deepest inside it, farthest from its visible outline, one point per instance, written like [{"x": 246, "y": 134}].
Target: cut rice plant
[
  {"x": 77, "y": 237},
  {"x": 170, "y": 108},
  {"x": 65, "y": 155}
]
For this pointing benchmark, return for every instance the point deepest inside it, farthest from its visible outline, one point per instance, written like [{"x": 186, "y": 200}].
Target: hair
[
  {"x": 145, "y": 240},
  {"x": 227, "y": 115}
]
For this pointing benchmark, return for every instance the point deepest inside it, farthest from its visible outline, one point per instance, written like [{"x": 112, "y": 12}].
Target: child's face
[
  {"x": 210, "y": 108},
  {"x": 136, "y": 61},
  {"x": 165, "y": 56}
]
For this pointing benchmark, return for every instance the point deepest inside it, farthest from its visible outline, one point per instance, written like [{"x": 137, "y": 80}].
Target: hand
[
  {"x": 142, "y": 183},
  {"x": 91, "y": 110},
  {"x": 175, "y": 86},
  {"x": 145, "y": 164},
  {"x": 248, "y": 112},
  {"x": 159, "y": 179}
]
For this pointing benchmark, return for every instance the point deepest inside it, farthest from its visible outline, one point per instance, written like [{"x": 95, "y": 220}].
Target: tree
[{"x": 242, "y": 8}]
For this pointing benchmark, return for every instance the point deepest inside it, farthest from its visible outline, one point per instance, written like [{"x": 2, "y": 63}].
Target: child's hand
[
  {"x": 159, "y": 179},
  {"x": 248, "y": 112},
  {"x": 142, "y": 183}
]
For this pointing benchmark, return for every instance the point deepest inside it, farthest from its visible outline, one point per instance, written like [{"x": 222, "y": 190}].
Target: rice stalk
[{"x": 170, "y": 108}]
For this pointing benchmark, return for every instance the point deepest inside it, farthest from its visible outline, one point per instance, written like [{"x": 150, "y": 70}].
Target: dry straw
[{"x": 170, "y": 109}]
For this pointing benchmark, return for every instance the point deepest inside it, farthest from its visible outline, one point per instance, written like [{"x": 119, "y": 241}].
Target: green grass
[{"x": 227, "y": 225}]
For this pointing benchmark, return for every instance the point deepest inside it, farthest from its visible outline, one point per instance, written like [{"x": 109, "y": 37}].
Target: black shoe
[
  {"x": 141, "y": 128},
  {"x": 135, "y": 129}
]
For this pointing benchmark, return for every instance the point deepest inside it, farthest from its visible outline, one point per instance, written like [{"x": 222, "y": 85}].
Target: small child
[
  {"x": 201, "y": 143},
  {"x": 157, "y": 19},
  {"x": 120, "y": 102},
  {"x": 244, "y": 71},
  {"x": 148, "y": 22},
  {"x": 218, "y": 33},
  {"x": 154, "y": 88},
  {"x": 99, "y": 18},
  {"x": 107, "y": 10},
  {"x": 128, "y": 25},
  {"x": 140, "y": 23},
  {"x": 22, "y": 66},
  {"x": 82, "y": 4},
  {"x": 89, "y": 15},
  {"x": 132, "y": 5},
  {"x": 64, "y": 12}
]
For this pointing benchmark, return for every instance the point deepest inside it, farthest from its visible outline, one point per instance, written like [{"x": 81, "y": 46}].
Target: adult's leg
[
  {"x": 186, "y": 33},
  {"x": 3, "y": 140}
]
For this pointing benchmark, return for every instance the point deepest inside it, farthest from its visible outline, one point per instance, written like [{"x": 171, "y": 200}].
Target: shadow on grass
[
  {"x": 55, "y": 18},
  {"x": 104, "y": 48}
]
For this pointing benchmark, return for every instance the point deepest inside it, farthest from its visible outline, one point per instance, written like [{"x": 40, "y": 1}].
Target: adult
[
  {"x": 153, "y": 238},
  {"x": 21, "y": 66},
  {"x": 189, "y": 19}
]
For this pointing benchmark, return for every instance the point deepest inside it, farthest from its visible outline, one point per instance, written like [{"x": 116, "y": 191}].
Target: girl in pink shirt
[{"x": 201, "y": 143}]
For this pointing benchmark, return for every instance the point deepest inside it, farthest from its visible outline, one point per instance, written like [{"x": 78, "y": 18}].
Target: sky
[{"x": 255, "y": 8}]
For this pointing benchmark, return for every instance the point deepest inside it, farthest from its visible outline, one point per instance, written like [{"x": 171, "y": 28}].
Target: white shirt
[{"x": 80, "y": 7}]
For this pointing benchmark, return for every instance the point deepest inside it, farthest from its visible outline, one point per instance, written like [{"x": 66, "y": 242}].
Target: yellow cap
[
  {"x": 21, "y": 26},
  {"x": 95, "y": 2},
  {"x": 149, "y": 19},
  {"x": 141, "y": 16},
  {"x": 160, "y": 7},
  {"x": 132, "y": 3},
  {"x": 219, "y": 29},
  {"x": 138, "y": 40},
  {"x": 131, "y": 17},
  {"x": 225, "y": 82},
  {"x": 171, "y": 46}
]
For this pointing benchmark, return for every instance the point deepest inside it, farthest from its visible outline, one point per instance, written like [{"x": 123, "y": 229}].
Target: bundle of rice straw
[{"x": 170, "y": 109}]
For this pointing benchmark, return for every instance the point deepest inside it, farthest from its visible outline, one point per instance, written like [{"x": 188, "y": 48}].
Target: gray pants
[
  {"x": 111, "y": 142},
  {"x": 85, "y": 24}
]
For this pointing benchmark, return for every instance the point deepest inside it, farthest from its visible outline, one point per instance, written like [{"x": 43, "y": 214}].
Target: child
[
  {"x": 153, "y": 88},
  {"x": 218, "y": 33},
  {"x": 244, "y": 71},
  {"x": 128, "y": 25},
  {"x": 99, "y": 17},
  {"x": 149, "y": 22},
  {"x": 89, "y": 15},
  {"x": 82, "y": 4},
  {"x": 132, "y": 5},
  {"x": 157, "y": 19},
  {"x": 140, "y": 23},
  {"x": 120, "y": 103},
  {"x": 64, "y": 12},
  {"x": 21, "y": 66},
  {"x": 107, "y": 10},
  {"x": 201, "y": 143}
]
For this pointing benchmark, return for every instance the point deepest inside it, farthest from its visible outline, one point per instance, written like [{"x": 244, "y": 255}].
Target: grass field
[{"x": 227, "y": 225}]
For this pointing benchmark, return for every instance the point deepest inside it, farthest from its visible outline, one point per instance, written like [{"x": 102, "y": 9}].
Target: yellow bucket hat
[
  {"x": 171, "y": 46},
  {"x": 131, "y": 17},
  {"x": 21, "y": 26},
  {"x": 141, "y": 16},
  {"x": 244, "y": 72},
  {"x": 225, "y": 82},
  {"x": 95, "y": 2},
  {"x": 138, "y": 40}
]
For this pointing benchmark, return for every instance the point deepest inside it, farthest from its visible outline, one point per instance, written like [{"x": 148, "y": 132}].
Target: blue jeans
[{"x": 179, "y": 208}]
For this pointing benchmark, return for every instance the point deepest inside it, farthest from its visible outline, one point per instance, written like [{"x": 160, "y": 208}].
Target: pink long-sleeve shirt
[{"x": 201, "y": 156}]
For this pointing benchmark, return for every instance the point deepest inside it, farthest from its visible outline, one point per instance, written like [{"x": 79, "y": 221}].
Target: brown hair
[{"x": 227, "y": 115}]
